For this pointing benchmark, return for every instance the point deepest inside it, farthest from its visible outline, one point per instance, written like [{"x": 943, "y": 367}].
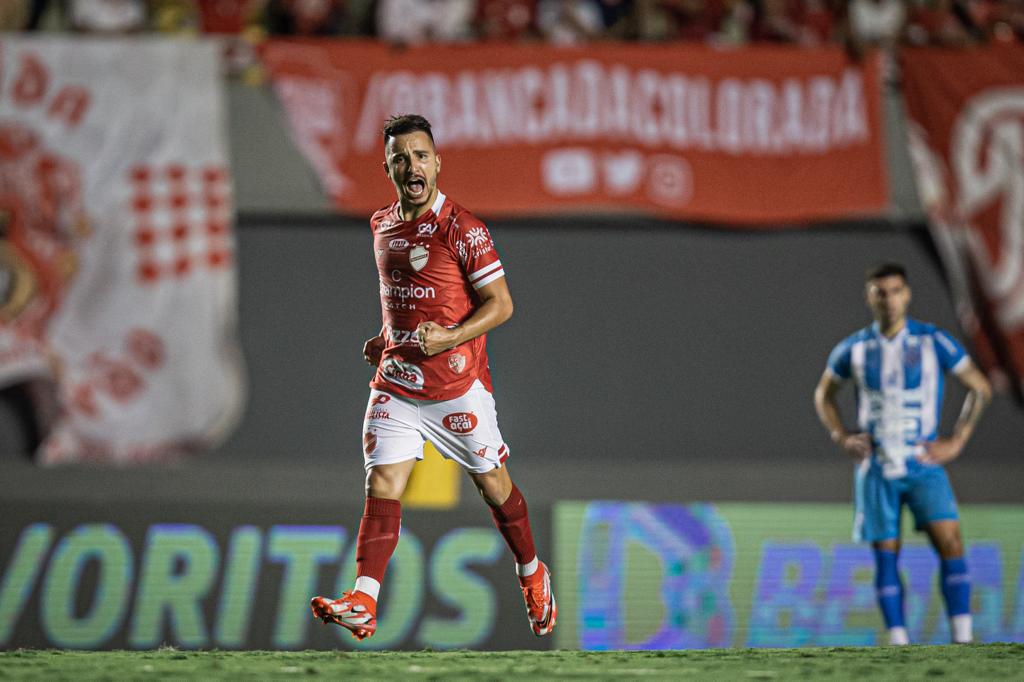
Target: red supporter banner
[
  {"x": 967, "y": 142},
  {"x": 761, "y": 136}
]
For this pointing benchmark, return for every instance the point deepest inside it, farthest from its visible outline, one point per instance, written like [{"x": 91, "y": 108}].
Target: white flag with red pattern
[{"x": 117, "y": 280}]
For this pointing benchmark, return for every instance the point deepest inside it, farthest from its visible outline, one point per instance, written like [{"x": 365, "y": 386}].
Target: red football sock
[
  {"x": 513, "y": 522},
  {"x": 378, "y": 536}
]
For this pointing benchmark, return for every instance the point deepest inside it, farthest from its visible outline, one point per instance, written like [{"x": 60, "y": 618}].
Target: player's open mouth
[{"x": 415, "y": 187}]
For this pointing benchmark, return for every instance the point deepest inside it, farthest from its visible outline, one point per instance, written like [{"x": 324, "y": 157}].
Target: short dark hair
[
  {"x": 885, "y": 270},
  {"x": 404, "y": 124}
]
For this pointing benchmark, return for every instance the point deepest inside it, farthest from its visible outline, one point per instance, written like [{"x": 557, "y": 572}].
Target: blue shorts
[{"x": 879, "y": 501}]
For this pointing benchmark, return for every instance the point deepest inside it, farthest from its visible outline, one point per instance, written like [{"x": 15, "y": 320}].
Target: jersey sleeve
[
  {"x": 479, "y": 259},
  {"x": 839, "y": 360},
  {"x": 952, "y": 356}
]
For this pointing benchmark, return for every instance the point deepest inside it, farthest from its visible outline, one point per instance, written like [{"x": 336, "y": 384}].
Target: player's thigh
[
  {"x": 391, "y": 430},
  {"x": 877, "y": 507},
  {"x": 930, "y": 498},
  {"x": 466, "y": 431}
]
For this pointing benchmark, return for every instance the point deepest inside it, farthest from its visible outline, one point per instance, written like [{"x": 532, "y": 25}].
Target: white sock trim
[
  {"x": 898, "y": 636},
  {"x": 960, "y": 627},
  {"x": 368, "y": 585},
  {"x": 524, "y": 570}
]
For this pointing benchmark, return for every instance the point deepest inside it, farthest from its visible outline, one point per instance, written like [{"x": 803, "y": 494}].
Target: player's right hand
[
  {"x": 372, "y": 350},
  {"x": 857, "y": 445}
]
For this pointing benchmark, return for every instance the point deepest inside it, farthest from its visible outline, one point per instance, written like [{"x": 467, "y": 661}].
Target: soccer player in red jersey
[{"x": 442, "y": 288}]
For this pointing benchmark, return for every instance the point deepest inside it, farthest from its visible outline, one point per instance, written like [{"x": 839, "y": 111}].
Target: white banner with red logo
[
  {"x": 759, "y": 136},
  {"x": 966, "y": 125},
  {"x": 117, "y": 280}
]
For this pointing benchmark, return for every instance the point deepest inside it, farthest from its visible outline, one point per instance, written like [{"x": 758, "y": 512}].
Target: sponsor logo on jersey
[
  {"x": 402, "y": 337},
  {"x": 402, "y": 374},
  {"x": 418, "y": 256},
  {"x": 380, "y": 253},
  {"x": 477, "y": 236},
  {"x": 381, "y": 399},
  {"x": 482, "y": 452},
  {"x": 398, "y": 244},
  {"x": 460, "y": 422},
  {"x": 385, "y": 224},
  {"x": 406, "y": 292},
  {"x": 457, "y": 361},
  {"x": 369, "y": 442},
  {"x": 427, "y": 229},
  {"x": 378, "y": 414}
]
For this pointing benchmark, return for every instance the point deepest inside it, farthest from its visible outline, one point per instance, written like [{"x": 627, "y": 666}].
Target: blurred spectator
[
  {"x": 565, "y": 22},
  {"x": 875, "y": 23},
  {"x": 736, "y": 24},
  {"x": 15, "y": 15},
  {"x": 108, "y": 16},
  {"x": 506, "y": 20},
  {"x": 691, "y": 20},
  {"x": 818, "y": 19},
  {"x": 413, "y": 22},
  {"x": 1008, "y": 21},
  {"x": 229, "y": 17},
  {"x": 305, "y": 17},
  {"x": 619, "y": 19},
  {"x": 934, "y": 22},
  {"x": 775, "y": 21},
  {"x": 174, "y": 16},
  {"x": 239, "y": 24}
]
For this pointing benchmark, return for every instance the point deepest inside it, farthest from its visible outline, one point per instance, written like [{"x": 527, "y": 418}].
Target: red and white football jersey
[{"x": 430, "y": 269}]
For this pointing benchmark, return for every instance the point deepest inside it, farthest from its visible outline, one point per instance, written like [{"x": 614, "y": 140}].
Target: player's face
[
  {"x": 412, "y": 163},
  {"x": 888, "y": 298}
]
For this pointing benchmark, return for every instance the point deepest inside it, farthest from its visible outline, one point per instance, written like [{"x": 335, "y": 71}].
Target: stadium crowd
[
  {"x": 244, "y": 24},
  {"x": 724, "y": 22}
]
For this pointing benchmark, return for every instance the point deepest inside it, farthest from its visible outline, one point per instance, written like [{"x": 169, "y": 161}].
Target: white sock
[
  {"x": 898, "y": 636},
  {"x": 524, "y": 570},
  {"x": 368, "y": 585},
  {"x": 961, "y": 629}
]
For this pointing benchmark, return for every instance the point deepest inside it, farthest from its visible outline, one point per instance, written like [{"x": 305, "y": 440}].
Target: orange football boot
[{"x": 354, "y": 611}]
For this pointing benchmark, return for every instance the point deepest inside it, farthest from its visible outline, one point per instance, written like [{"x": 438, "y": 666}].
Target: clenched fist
[
  {"x": 433, "y": 338},
  {"x": 372, "y": 350}
]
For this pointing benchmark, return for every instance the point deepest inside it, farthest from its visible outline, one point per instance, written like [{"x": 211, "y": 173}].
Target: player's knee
[
  {"x": 494, "y": 486},
  {"x": 951, "y": 546},
  {"x": 384, "y": 484}
]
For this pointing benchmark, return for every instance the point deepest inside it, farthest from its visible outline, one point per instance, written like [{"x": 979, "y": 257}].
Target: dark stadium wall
[{"x": 643, "y": 360}]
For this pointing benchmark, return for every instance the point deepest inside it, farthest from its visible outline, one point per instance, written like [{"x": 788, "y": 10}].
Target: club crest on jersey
[
  {"x": 418, "y": 256},
  {"x": 457, "y": 361}
]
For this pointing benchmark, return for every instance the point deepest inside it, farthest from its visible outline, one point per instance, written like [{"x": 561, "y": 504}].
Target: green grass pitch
[{"x": 964, "y": 662}]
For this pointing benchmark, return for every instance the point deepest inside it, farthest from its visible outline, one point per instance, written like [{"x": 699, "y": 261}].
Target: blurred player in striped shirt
[{"x": 898, "y": 365}]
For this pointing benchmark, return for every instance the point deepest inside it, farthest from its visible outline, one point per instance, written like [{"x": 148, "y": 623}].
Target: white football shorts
[{"x": 464, "y": 429}]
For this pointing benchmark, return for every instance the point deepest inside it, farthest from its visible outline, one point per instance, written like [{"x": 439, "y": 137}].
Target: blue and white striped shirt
[{"x": 899, "y": 388}]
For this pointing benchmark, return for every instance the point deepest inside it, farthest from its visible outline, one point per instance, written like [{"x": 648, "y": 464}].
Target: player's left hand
[
  {"x": 433, "y": 338},
  {"x": 941, "y": 450}
]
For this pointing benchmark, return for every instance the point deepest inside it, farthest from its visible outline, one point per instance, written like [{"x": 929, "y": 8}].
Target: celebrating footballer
[{"x": 442, "y": 289}]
